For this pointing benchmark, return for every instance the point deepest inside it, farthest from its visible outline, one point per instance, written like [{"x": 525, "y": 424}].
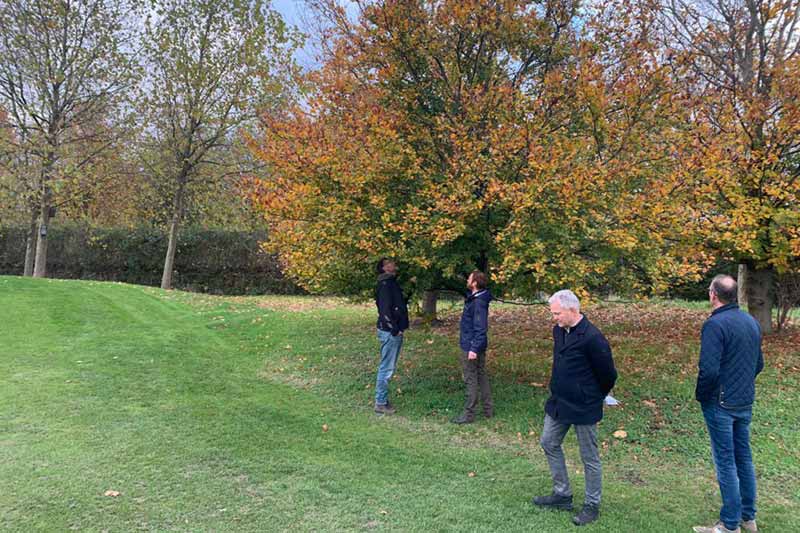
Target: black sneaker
[
  {"x": 553, "y": 501},
  {"x": 384, "y": 409},
  {"x": 588, "y": 514},
  {"x": 463, "y": 419}
]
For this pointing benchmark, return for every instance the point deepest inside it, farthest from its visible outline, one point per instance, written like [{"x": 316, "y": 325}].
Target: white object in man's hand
[
  {"x": 610, "y": 400},
  {"x": 472, "y": 356}
]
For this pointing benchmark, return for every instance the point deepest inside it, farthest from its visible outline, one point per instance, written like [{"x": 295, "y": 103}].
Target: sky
[{"x": 295, "y": 13}]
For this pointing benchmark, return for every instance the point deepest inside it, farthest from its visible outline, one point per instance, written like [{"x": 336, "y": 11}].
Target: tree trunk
[
  {"x": 760, "y": 296},
  {"x": 429, "y": 299},
  {"x": 30, "y": 243},
  {"x": 742, "y": 283},
  {"x": 169, "y": 262},
  {"x": 483, "y": 262},
  {"x": 40, "y": 263}
]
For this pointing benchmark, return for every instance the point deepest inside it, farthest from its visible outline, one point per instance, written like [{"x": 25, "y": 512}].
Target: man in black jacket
[
  {"x": 730, "y": 360},
  {"x": 392, "y": 321},
  {"x": 473, "y": 340},
  {"x": 583, "y": 374}
]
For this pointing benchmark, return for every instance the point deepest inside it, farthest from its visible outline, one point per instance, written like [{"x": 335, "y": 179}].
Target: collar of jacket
[
  {"x": 384, "y": 276},
  {"x": 578, "y": 331},
  {"x": 726, "y": 307},
  {"x": 481, "y": 293},
  {"x": 580, "y": 327}
]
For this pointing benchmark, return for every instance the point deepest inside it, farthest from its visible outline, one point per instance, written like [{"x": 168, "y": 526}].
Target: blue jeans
[
  {"x": 390, "y": 350},
  {"x": 729, "y": 430}
]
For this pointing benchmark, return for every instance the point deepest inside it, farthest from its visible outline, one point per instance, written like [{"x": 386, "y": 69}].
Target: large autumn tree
[
  {"x": 455, "y": 135},
  {"x": 736, "y": 69}
]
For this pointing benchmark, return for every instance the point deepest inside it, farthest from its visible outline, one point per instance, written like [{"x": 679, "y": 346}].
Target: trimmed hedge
[{"x": 207, "y": 260}]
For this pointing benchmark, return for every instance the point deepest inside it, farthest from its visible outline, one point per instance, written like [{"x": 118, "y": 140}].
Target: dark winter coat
[
  {"x": 392, "y": 309},
  {"x": 475, "y": 322},
  {"x": 583, "y": 374}
]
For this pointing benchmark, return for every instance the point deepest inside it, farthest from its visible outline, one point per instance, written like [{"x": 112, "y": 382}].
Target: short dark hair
[
  {"x": 379, "y": 265},
  {"x": 480, "y": 279},
  {"x": 725, "y": 287}
]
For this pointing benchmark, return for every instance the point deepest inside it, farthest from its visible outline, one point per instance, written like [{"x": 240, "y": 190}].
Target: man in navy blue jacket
[
  {"x": 392, "y": 322},
  {"x": 474, "y": 341},
  {"x": 730, "y": 360},
  {"x": 583, "y": 374}
]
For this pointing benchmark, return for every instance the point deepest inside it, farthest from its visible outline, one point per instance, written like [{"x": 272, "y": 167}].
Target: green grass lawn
[{"x": 208, "y": 414}]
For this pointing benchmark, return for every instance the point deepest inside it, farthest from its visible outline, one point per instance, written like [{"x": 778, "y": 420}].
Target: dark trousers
[
  {"x": 552, "y": 437},
  {"x": 477, "y": 383}
]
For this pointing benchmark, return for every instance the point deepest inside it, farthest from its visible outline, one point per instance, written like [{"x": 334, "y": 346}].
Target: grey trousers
[
  {"x": 478, "y": 385},
  {"x": 552, "y": 437}
]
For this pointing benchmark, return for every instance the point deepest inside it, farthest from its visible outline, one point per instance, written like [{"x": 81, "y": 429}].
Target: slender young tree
[
  {"x": 212, "y": 65},
  {"x": 64, "y": 68},
  {"x": 19, "y": 176}
]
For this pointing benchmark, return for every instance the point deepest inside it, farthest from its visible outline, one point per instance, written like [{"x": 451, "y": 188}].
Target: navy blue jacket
[
  {"x": 392, "y": 309},
  {"x": 730, "y": 358},
  {"x": 583, "y": 373},
  {"x": 475, "y": 322}
]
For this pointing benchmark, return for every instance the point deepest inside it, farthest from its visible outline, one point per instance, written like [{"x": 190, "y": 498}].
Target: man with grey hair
[
  {"x": 583, "y": 374},
  {"x": 730, "y": 360}
]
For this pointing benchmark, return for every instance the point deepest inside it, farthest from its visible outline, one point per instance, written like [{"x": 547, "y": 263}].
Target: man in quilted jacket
[{"x": 730, "y": 360}]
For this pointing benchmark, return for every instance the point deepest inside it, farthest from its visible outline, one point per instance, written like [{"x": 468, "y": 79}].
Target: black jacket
[
  {"x": 583, "y": 373},
  {"x": 475, "y": 322},
  {"x": 392, "y": 310},
  {"x": 730, "y": 358}
]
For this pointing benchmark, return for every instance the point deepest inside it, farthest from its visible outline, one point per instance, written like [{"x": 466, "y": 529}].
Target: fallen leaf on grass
[
  {"x": 324, "y": 427},
  {"x": 620, "y": 434},
  {"x": 112, "y": 493},
  {"x": 471, "y": 474}
]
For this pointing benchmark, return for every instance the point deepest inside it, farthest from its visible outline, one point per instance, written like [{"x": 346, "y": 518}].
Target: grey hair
[{"x": 567, "y": 299}]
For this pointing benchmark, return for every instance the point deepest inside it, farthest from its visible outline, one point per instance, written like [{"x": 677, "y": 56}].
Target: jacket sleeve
[
  {"x": 385, "y": 307},
  {"x": 480, "y": 325},
  {"x": 711, "y": 344},
  {"x": 760, "y": 362},
  {"x": 397, "y": 305},
  {"x": 602, "y": 362}
]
